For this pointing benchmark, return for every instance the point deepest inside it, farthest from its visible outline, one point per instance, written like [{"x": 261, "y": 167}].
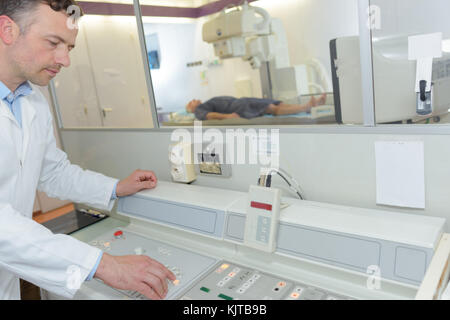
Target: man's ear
[{"x": 9, "y": 30}]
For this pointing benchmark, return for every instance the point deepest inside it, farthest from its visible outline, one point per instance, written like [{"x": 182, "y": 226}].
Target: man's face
[
  {"x": 40, "y": 53},
  {"x": 192, "y": 105}
]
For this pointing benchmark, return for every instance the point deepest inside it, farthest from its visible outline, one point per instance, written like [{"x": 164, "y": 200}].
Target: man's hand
[
  {"x": 137, "y": 181},
  {"x": 136, "y": 273}
]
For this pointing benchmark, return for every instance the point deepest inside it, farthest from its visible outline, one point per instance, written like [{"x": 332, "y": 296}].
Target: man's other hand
[{"x": 137, "y": 181}]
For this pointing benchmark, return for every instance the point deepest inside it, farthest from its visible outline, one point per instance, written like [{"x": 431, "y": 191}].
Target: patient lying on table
[{"x": 219, "y": 108}]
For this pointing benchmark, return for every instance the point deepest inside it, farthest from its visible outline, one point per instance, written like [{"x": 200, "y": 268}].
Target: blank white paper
[{"x": 400, "y": 173}]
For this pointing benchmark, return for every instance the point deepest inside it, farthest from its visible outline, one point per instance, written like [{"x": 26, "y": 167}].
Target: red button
[{"x": 118, "y": 233}]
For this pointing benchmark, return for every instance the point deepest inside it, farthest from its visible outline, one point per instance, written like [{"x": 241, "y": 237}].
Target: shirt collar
[{"x": 23, "y": 90}]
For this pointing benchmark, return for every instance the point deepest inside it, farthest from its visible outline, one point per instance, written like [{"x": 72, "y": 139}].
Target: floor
[
  {"x": 29, "y": 291},
  {"x": 44, "y": 217}
]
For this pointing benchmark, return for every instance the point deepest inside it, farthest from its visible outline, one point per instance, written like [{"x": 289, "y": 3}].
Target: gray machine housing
[
  {"x": 394, "y": 82},
  {"x": 399, "y": 261}
]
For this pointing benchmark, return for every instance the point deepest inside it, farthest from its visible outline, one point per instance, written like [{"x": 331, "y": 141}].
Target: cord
[{"x": 267, "y": 180}]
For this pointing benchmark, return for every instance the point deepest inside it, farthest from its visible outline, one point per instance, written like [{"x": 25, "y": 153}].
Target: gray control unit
[{"x": 199, "y": 277}]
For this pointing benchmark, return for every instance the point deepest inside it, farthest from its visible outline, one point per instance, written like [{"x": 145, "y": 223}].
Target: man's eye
[{"x": 54, "y": 44}]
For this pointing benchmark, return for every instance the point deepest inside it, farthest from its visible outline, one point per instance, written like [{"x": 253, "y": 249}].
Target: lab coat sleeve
[
  {"x": 57, "y": 263},
  {"x": 61, "y": 179}
]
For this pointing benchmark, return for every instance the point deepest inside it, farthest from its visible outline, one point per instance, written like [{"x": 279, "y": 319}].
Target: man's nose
[{"x": 62, "y": 58}]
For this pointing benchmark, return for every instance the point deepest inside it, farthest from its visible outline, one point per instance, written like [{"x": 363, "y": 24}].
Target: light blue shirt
[{"x": 12, "y": 100}]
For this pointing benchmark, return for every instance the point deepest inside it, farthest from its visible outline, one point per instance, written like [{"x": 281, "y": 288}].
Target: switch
[
  {"x": 118, "y": 234},
  {"x": 225, "y": 297},
  {"x": 224, "y": 266},
  {"x": 295, "y": 295}
]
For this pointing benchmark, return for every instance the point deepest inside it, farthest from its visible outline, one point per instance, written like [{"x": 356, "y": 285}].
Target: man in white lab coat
[{"x": 35, "y": 39}]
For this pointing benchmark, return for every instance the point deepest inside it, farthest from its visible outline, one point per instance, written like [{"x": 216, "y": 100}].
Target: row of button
[
  {"x": 135, "y": 295},
  {"x": 220, "y": 295},
  {"x": 228, "y": 277},
  {"x": 280, "y": 286},
  {"x": 106, "y": 245},
  {"x": 248, "y": 283},
  {"x": 295, "y": 294}
]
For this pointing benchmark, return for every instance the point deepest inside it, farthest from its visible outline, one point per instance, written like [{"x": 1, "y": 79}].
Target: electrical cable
[{"x": 267, "y": 180}]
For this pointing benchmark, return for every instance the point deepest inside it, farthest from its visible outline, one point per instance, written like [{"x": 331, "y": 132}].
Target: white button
[
  {"x": 256, "y": 276},
  {"x": 299, "y": 289},
  {"x": 139, "y": 251}
]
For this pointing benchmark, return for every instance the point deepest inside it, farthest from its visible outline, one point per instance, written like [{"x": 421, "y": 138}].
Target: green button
[
  {"x": 204, "y": 289},
  {"x": 225, "y": 297}
]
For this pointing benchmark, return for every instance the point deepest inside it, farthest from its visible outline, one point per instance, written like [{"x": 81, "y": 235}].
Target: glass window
[
  {"x": 411, "y": 61},
  {"x": 274, "y": 62},
  {"x": 105, "y": 85}
]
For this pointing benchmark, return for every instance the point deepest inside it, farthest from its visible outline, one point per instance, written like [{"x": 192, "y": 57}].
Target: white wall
[
  {"x": 175, "y": 84},
  {"x": 332, "y": 168},
  {"x": 311, "y": 24},
  {"x": 407, "y": 17}
]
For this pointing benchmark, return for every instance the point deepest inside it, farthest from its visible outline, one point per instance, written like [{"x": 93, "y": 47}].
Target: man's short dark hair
[{"x": 17, "y": 9}]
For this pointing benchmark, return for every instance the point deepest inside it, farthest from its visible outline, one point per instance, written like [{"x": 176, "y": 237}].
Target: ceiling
[{"x": 171, "y": 3}]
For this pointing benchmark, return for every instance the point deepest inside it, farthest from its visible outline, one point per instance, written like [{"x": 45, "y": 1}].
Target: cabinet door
[
  {"x": 118, "y": 69},
  {"x": 76, "y": 89}
]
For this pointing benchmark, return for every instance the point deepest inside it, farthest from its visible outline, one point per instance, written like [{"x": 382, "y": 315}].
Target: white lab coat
[{"x": 30, "y": 160}]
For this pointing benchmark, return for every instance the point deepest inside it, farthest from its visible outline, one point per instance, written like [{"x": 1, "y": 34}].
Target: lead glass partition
[
  {"x": 191, "y": 63},
  {"x": 109, "y": 84},
  {"x": 105, "y": 85},
  {"x": 411, "y": 61}
]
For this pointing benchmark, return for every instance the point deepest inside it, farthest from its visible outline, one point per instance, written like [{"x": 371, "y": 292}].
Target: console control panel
[
  {"x": 235, "y": 282},
  {"x": 187, "y": 266},
  {"x": 199, "y": 277}
]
